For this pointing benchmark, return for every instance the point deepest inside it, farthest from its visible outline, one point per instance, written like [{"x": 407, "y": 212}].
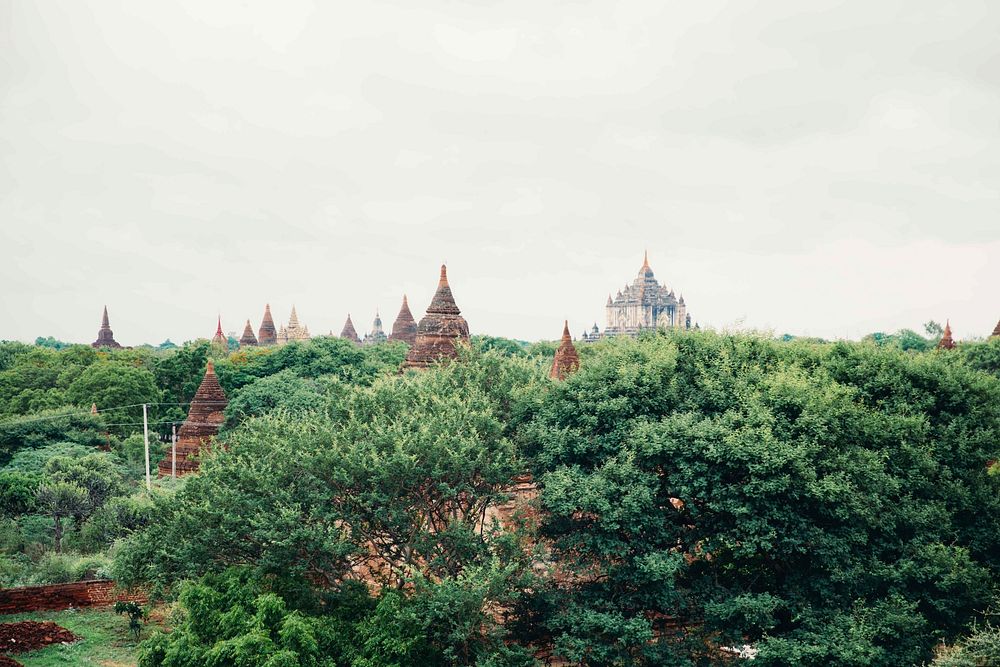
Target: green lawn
[{"x": 106, "y": 640}]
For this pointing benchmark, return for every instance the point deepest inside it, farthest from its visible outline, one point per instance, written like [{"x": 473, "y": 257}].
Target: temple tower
[
  {"x": 248, "y": 338},
  {"x": 202, "y": 424},
  {"x": 349, "y": 332},
  {"x": 376, "y": 335},
  {"x": 440, "y": 331},
  {"x": 645, "y": 305},
  {"x": 566, "y": 360},
  {"x": 946, "y": 342},
  {"x": 405, "y": 327},
  {"x": 267, "y": 334},
  {"x": 105, "y": 337},
  {"x": 294, "y": 330},
  {"x": 220, "y": 338}
]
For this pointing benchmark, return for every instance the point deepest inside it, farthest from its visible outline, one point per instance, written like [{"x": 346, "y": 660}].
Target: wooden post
[
  {"x": 145, "y": 438},
  {"x": 173, "y": 452}
]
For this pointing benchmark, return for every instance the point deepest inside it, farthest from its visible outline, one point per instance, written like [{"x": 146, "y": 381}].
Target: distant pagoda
[
  {"x": 566, "y": 361},
  {"x": 248, "y": 338},
  {"x": 644, "y": 305},
  {"x": 220, "y": 338},
  {"x": 204, "y": 418},
  {"x": 294, "y": 330},
  {"x": 440, "y": 331},
  {"x": 946, "y": 342},
  {"x": 996, "y": 331},
  {"x": 267, "y": 334},
  {"x": 105, "y": 337},
  {"x": 349, "y": 332},
  {"x": 376, "y": 335},
  {"x": 405, "y": 327}
]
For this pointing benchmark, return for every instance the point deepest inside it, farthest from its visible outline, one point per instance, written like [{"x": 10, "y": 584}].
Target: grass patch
[{"x": 106, "y": 641}]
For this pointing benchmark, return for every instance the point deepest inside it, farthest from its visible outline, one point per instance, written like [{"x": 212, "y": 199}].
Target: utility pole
[
  {"x": 173, "y": 452},
  {"x": 145, "y": 438}
]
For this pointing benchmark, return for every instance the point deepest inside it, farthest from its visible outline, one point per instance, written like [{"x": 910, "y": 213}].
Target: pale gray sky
[{"x": 826, "y": 167}]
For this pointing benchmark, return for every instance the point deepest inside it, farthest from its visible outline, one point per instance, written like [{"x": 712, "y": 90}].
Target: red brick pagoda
[
  {"x": 946, "y": 342},
  {"x": 267, "y": 334},
  {"x": 440, "y": 331},
  {"x": 567, "y": 361},
  {"x": 248, "y": 338},
  {"x": 105, "y": 337},
  {"x": 405, "y": 327},
  {"x": 996, "y": 331},
  {"x": 202, "y": 424},
  {"x": 349, "y": 332}
]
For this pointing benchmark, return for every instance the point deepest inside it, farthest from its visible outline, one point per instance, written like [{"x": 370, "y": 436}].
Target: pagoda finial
[
  {"x": 104, "y": 319},
  {"x": 566, "y": 329},
  {"x": 645, "y": 259},
  {"x": 218, "y": 329},
  {"x": 443, "y": 280}
]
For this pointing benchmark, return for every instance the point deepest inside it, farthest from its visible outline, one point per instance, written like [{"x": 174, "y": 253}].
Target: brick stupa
[
  {"x": 567, "y": 361},
  {"x": 202, "y": 424},
  {"x": 440, "y": 331},
  {"x": 946, "y": 342},
  {"x": 405, "y": 327},
  {"x": 349, "y": 332},
  {"x": 267, "y": 334},
  {"x": 105, "y": 337},
  {"x": 248, "y": 338}
]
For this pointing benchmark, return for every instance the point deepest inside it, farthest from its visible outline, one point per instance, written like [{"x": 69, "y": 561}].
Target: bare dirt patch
[{"x": 30, "y": 635}]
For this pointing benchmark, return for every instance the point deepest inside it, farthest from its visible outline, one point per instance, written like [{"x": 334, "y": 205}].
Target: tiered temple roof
[
  {"x": 349, "y": 332},
  {"x": 405, "y": 327},
  {"x": 267, "y": 334},
  {"x": 105, "y": 337},
  {"x": 202, "y": 424},
  {"x": 220, "y": 338},
  {"x": 294, "y": 330},
  {"x": 440, "y": 331},
  {"x": 946, "y": 342},
  {"x": 248, "y": 338},
  {"x": 566, "y": 361},
  {"x": 644, "y": 305},
  {"x": 376, "y": 335}
]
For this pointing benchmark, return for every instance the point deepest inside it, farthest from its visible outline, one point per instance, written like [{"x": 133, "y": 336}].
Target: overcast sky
[{"x": 826, "y": 167}]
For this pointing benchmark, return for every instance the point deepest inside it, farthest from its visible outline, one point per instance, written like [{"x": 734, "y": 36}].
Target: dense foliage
[{"x": 701, "y": 496}]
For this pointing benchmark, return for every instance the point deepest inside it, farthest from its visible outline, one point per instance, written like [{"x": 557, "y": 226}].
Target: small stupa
[
  {"x": 567, "y": 361},
  {"x": 267, "y": 334},
  {"x": 105, "y": 337},
  {"x": 440, "y": 331},
  {"x": 248, "y": 338},
  {"x": 349, "y": 332},
  {"x": 405, "y": 327},
  {"x": 202, "y": 424},
  {"x": 376, "y": 335},
  {"x": 946, "y": 342}
]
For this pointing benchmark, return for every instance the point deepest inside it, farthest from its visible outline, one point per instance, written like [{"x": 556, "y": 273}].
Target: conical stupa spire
[
  {"x": 219, "y": 338},
  {"x": 443, "y": 301},
  {"x": 566, "y": 360},
  {"x": 405, "y": 327},
  {"x": 996, "y": 331},
  {"x": 293, "y": 319},
  {"x": 105, "y": 337},
  {"x": 440, "y": 330},
  {"x": 946, "y": 342},
  {"x": 248, "y": 338},
  {"x": 205, "y": 416},
  {"x": 267, "y": 334},
  {"x": 349, "y": 332}
]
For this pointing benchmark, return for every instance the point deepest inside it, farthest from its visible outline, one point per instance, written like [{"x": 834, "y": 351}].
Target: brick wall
[{"x": 92, "y": 593}]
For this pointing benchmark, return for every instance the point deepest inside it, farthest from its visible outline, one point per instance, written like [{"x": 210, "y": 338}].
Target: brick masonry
[{"x": 91, "y": 593}]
